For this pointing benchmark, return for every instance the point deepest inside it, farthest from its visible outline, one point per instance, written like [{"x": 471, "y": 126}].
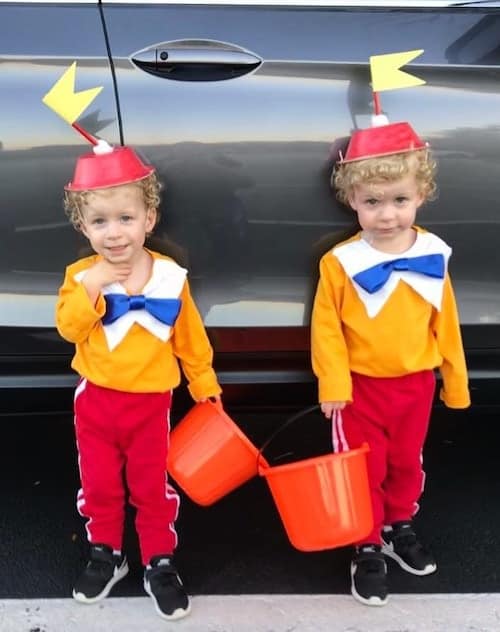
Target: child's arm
[
  {"x": 81, "y": 304},
  {"x": 455, "y": 391},
  {"x": 191, "y": 345},
  {"x": 330, "y": 359},
  {"x": 76, "y": 313}
]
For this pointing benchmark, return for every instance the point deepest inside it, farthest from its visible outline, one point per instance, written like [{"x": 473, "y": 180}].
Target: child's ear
[
  {"x": 151, "y": 216},
  {"x": 351, "y": 201},
  {"x": 81, "y": 229}
]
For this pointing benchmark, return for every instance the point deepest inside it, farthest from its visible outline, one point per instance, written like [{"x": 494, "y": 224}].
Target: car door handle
[{"x": 196, "y": 60}]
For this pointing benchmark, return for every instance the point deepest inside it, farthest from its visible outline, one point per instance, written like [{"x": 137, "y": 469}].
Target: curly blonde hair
[
  {"x": 345, "y": 176},
  {"x": 75, "y": 201}
]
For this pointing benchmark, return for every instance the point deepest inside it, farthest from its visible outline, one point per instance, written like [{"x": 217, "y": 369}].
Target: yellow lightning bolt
[
  {"x": 386, "y": 73},
  {"x": 63, "y": 99}
]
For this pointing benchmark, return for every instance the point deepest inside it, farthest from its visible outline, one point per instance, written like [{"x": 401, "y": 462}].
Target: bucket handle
[
  {"x": 217, "y": 402},
  {"x": 284, "y": 425}
]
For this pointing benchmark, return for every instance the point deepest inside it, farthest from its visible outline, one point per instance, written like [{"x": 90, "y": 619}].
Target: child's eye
[
  {"x": 126, "y": 218},
  {"x": 401, "y": 199},
  {"x": 371, "y": 201},
  {"x": 97, "y": 221}
]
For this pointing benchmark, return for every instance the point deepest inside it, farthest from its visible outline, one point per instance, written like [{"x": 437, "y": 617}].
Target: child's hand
[
  {"x": 327, "y": 408},
  {"x": 213, "y": 397},
  {"x": 103, "y": 273}
]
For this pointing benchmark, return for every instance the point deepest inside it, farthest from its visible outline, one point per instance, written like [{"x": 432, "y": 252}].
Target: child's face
[
  {"x": 386, "y": 210},
  {"x": 116, "y": 222}
]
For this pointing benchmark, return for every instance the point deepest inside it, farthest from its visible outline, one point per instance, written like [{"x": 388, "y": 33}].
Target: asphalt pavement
[{"x": 238, "y": 546}]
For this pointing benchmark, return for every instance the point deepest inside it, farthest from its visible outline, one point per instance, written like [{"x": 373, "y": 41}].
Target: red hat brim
[
  {"x": 100, "y": 171},
  {"x": 385, "y": 140}
]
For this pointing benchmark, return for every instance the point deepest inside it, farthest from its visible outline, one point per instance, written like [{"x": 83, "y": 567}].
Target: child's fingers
[{"x": 327, "y": 409}]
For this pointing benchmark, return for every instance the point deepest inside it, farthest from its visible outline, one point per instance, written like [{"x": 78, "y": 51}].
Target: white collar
[
  {"x": 356, "y": 256},
  {"x": 167, "y": 280}
]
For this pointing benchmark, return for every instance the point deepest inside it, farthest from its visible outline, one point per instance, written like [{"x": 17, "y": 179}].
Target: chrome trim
[
  {"x": 36, "y": 381},
  {"x": 21, "y": 2},
  {"x": 402, "y": 4},
  {"x": 225, "y": 377},
  {"x": 390, "y": 4}
]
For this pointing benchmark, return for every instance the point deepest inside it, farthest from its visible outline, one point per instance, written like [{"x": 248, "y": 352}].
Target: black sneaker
[
  {"x": 400, "y": 542},
  {"x": 163, "y": 584},
  {"x": 102, "y": 572},
  {"x": 369, "y": 576}
]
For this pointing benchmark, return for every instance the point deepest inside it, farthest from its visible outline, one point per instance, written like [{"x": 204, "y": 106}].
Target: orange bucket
[
  {"x": 209, "y": 456},
  {"x": 324, "y": 502}
]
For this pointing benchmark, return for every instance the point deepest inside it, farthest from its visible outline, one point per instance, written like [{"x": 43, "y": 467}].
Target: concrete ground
[{"x": 260, "y": 613}]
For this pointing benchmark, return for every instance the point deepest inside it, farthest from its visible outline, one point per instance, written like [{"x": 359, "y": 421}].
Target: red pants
[
  {"x": 392, "y": 416},
  {"x": 122, "y": 441}
]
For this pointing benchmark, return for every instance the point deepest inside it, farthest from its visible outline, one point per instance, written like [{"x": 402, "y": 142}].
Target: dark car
[{"x": 242, "y": 107}]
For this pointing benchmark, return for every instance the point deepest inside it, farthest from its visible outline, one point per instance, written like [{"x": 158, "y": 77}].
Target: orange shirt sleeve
[
  {"x": 75, "y": 314},
  {"x": 446, "y": 325},
  {"x": 191, "y": 346},
  {"x": 329, "y": 354}
]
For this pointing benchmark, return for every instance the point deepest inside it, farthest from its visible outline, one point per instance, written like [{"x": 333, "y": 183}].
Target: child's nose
[
  {"x": 387, "y": 210},
  {"x": 113, "y": 229}
]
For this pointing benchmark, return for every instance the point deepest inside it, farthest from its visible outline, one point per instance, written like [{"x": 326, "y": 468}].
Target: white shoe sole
[
  {"x": 180, "y": 613},
  {"x": 370, "y": 601},
  {"x": 387, "y": 549},
  {"x": 119, "y": 574}
]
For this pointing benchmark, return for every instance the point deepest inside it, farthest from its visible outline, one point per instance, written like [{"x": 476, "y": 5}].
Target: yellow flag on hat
[
  {"x": 63, "y": 99},
  {"x": 386, "y": 73}
]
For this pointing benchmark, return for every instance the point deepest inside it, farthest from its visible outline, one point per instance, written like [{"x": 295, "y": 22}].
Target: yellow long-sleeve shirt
[
  {"x": 141, "y": 362},
  {"x": 407, "y": 335}
]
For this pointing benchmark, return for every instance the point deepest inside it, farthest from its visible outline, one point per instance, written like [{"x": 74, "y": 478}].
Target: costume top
[
  {"x": 136, "y": 352},
  {"x": 410, "y": 324}
]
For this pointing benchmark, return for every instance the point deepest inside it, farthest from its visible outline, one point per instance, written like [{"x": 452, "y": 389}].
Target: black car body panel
[{"x": 242, "y": 109}]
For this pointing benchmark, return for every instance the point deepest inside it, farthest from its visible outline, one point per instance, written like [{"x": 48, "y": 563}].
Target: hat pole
[{"x": 84, "y": 133}]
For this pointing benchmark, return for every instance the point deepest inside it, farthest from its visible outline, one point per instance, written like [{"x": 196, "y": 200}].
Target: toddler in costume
[
  {"x": 130, "y": 315},
  {"x": 384, "y": 317}
]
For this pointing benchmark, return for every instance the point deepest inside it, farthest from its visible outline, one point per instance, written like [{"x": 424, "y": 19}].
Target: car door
[
  {"x": 243, "y": 106},
  {"x": 38, "y": 41}
]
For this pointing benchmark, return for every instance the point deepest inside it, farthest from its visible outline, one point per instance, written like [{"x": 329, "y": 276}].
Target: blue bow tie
[
  {"x": 165, "y": 310},
  {"x": 375, "y": 277}
]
